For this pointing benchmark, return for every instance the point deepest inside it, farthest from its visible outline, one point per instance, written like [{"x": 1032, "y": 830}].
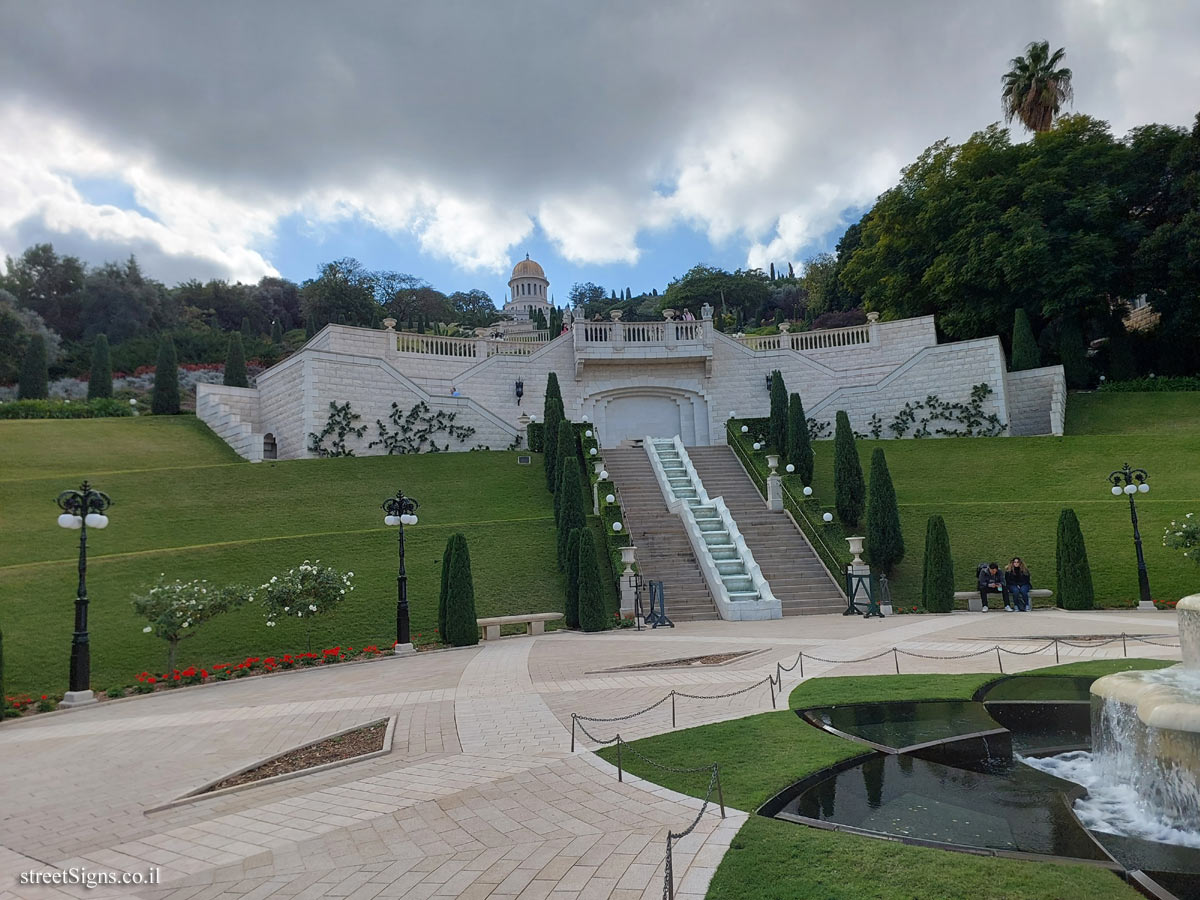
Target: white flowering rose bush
[
  {"x": 305, "y": 592},
  {"x": 175, "y": 609},
  {"x": 1184, "y": 535}
]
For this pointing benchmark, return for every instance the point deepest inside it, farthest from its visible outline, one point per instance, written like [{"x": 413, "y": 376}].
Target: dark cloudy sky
[{"x": 615, "y": 141}]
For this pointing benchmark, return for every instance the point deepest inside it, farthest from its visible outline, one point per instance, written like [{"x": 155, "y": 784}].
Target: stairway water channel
[{"x": 734, "y": 578}]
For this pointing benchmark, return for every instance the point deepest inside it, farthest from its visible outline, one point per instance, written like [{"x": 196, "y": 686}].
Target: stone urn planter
[
  {"x": 627, "y": 559},
  {"x": 669, "y": 314},
  {"x": 856, "y": 548}
]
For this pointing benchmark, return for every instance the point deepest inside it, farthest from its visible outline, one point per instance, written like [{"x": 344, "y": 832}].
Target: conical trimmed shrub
[
  {"x": 885, "y": 543},
  {"x": 799, "y": 446},
  {"x": 235, "y": 363},
  {"x": 777, "y": 427},
  {"x": 276, "y": 332},
  {"x": 462, "y": 629},
  {"x": 591, "y": 602},
  {"x": 848, "y": 488},
  {"x": 1025, "y": 352},
  {"x": 937, "y": 585},
  {"x": 567, "y": 459},
  {"x": 552, "y": 415},
  {"x": 447, "y": 554},
  {"x": 1072, "y": 353},
  {"x": 1074, "y": 589},
  {"x": 165, "y": 399},
  {"x": 247, "y": 328},
  {"x": 100, "y": 377},
  {"x": 35, "y": 378},
  {"x": 572, "y": 514},
  {"x": 571, "y": 607}
]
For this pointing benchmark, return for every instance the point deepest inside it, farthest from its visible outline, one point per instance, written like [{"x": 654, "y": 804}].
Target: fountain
[{"x": 1146, "y": 733}]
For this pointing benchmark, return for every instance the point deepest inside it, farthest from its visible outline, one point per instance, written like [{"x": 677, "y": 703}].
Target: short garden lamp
[
  {"x": 399, "y": 511},
  {"x": 827, "y": 518},
  {"x": 807, "y": 491},
  {"x": 790, "y": 468},
  {"x": 1131, "y": 481},
  {"x": 82, "y": 509}
]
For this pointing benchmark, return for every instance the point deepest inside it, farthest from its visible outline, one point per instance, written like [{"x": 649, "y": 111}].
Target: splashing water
[{"x": 1109, "y": 807}]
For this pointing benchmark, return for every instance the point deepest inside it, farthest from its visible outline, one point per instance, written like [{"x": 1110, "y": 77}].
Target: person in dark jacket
[
  {"x": 991, "y": 581},
  {"x": 1016, "y": 579}
]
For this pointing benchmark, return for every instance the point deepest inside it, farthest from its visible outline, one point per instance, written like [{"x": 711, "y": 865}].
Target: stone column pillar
[{"x": 628, "y": 594}]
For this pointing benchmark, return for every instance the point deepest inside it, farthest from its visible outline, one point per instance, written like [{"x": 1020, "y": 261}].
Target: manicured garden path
[{"x": 480, "y": 795}]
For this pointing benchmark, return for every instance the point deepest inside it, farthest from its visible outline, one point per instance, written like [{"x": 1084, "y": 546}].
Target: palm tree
[{"x": 1034, "y": 89}]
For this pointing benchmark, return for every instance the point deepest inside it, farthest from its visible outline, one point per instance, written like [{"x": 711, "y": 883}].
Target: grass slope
[
  {"x": 763, "y": 754},
  {"x": 184, "y": 505},
  {"x": 1001, "y": 497}
]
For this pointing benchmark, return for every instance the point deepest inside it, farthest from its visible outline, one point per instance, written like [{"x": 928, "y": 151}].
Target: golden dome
[{"x": 527, "y": 268}]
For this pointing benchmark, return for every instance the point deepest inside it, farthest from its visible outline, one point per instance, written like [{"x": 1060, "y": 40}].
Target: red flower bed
[{"x": 149, "y": 681}]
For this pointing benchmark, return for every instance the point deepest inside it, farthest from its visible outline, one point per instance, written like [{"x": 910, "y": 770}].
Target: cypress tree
[
  {"x": 799, "y": 447},
  {"x": 552, "y": 415},
  {"x": 937, "y": 585},
  {"x": 848, "y": 488},
  {"x": 35, "y": 379},
  {"x": 247, "y": 328},
  {"x": 235, "y": 363},
  {"x": 1074, "y": 588},
  {"x": 420, "y": 324},
  {"x": 567, "y": 459},
  {"x": 310, "y": 326},
  {"x": 1025, "y": 352},
  {"x": 884, "y": 539},
  {"x": 1121, "y": 363},
  {"x": 571, "y": 609},
  {"x": 778, "y": 426},
  {"x": 445, "y": 586},
  {"x": 462, "y": 629},
  {"x": 276, "y": 332},
  {"x": 100, "y": 377},
  {"x": 591, "y": 603},
  {"x": 1073, "y": 355},
  {"x": 165, "y": 399},
  {"x": 572, "y": 515}
]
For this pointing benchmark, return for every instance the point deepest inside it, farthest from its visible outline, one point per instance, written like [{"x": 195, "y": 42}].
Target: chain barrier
[
  {"x": 769, "y": 678},
  {"x": 672, "y": 836},
  {"x": 1041, "y": 649},
  {"x": 956, "y": 656},
  {"x": 1148, "y": 641},
  {"x": 654, "y": 705}
]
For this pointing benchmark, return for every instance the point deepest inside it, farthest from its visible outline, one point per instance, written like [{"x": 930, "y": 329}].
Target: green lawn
[
  {"x": 186, "y": 506},
  {"x": 763, "y": 754},
  {"x": 1001, "y": 497}
]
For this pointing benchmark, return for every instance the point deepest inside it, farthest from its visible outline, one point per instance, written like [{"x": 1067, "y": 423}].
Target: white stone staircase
[
  {"x": 229, "y": 425},
  {"x": 734, "y": 579}
]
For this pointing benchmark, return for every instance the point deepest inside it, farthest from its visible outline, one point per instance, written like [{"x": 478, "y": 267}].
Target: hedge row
[{"x": 65, "y": 409}]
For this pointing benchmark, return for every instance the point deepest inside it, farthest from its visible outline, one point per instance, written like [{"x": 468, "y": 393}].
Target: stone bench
[
  {"x": 535, "y": 623},
  {"x": 975, "y": 604}
]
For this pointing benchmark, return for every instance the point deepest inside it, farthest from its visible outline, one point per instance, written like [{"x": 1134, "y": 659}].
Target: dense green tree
[
  {"x": 1036, "y": 87},
  {"x": 885, "y": 542},
  {"x": 1025, "y": 353},
  {"x": 165, "y": 395},
  {"x": 1073, "y": 355},
  {"x": 121, "y": 302},
  {"x": 746, "y": 291},
  {"x": 344, "y": 291},
  {"x": 937, "y": 584},
  {"x": 777, "y": 427},
  {"x": 447, "y": 556},
  {"x": 571, "y": 607},
  {"x": 473, "y": 308},
  {"x": 572, "y": 511},
  {"x": 552, "y": 415},
  {"x": 586, "y": 294},
  {"x": 35, "y": 378},
  {"x": 591, "y": 599},
  {"x": 462, "y": 628},
  {"x": 850, "y": 492},
  {"x": 235, "y": 363},
  {"x": 1120, "y": 363},
  {"x": 50, "y": 285},
  {"x": 1074, "y": 588},
  {"x": 799, "y": 446},
  {"x": 17, "y": 325},
  {"x": 100, "y": 376}
]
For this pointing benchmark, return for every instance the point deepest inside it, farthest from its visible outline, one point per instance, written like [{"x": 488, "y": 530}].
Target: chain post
[
  {"x": 801, "y": 663},
  {"x": 1056, "y": 651},
  {"x": 574, "y": 716},
  {"x": 620, "y": 771},
  {"x": 896, "y": 660},
  {"x": 999, "y": 661},
  {"x": 720, "y": 793},
  {"x": 672, "y": 709},
  {"x": 1124, "y": 646},
  {"x": 771, "y": 684}
]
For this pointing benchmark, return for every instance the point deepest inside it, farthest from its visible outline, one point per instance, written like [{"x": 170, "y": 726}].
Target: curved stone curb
[{"x": 203, "y": 793}]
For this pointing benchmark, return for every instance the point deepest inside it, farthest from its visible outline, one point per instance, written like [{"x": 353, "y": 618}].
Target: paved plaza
[{"x": 480, "y": 796}]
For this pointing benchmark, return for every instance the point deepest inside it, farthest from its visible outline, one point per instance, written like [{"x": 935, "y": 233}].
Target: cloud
[{"x": 470, "y": 125}]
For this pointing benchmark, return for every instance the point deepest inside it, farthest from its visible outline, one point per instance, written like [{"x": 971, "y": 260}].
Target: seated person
[
  {"x": 991, "y": 581},
  {"x": 1016, "y": 580}
]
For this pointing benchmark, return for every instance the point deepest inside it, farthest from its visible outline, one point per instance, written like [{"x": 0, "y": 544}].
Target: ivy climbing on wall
[
  {"x": 415, "y": 431},
  {"x": 339, "y": 425}
]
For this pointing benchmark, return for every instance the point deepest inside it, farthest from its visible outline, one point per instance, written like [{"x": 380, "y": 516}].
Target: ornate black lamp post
[
  {"x": 1132, "y": 481},
  {"x": 401, "y": 510},
  {"x": 82, "y": 509}
]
